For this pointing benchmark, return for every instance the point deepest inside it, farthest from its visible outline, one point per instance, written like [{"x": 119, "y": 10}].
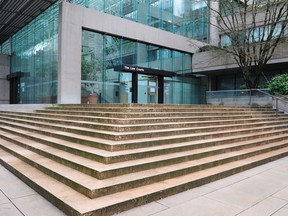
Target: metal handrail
[
  {"x": 277, "y": 99},
  {"x": 249, "y": 93}
]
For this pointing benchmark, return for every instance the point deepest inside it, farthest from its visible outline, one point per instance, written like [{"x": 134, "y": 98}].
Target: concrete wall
[
  {"x": 74, "y": 18},
  {"x": 214, "y": 31},
  {"x": 219, "y": 60},
  {"x": 4, "y": 83}
]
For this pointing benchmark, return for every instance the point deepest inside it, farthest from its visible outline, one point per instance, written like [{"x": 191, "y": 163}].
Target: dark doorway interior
[{"x": 14, "y": 79}]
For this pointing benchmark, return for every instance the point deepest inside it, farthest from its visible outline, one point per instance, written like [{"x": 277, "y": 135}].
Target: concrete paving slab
[
  {"x": 263, "y": 168},
  {"x": 44, "y": 208},
  {"x": 226, "y": 181},
  {"x": 250, "y": 191},
  {"x": 259, "y": 191},
  {"x": 3, "y": 198},
  {"x": 239, "y": 196},
  {"x": 281, "y": 212},
  {"x": 283, "y": 194},
  {"x": 9, "y": 209},
  {"x": 185, "y": 197},
  {"x": 201, "y": 206},
  {"x": 18, "y": 199},
  {"x": 151, "y": 209},
  {"x": 266, "y": 207},
  {"x": 13, "y": 187}
]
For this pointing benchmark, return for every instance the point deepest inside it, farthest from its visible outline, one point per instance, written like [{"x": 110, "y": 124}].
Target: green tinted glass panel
[
  {"x": 35, "y": 54},
  {"x": 103, "y": 56},
  {"x": 184, "y": 17}
]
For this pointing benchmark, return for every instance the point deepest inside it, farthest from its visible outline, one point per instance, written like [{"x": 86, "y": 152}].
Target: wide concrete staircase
[{"x": 103, "y": 159}]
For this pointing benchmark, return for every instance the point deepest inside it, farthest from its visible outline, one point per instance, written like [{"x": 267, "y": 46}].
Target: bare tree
[{"x": 254, "y": 29}]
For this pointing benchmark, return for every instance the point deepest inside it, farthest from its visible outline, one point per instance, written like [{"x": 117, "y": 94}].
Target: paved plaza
[{"x": 260, "y": 191}]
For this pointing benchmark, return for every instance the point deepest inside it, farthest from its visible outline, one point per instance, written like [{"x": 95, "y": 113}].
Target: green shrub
[{"x": 279, "y": 84}]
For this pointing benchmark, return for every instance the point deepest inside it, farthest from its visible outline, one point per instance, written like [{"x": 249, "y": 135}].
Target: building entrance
[
  {"x": 14, "y": 79},
  {"x": 152, "y": 90},
  {"x": 148, "y": 89},
  {"x": 147, "y": 84}
]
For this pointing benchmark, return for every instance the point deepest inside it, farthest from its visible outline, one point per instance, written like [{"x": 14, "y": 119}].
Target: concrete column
[
  {"x": 214, "y": 31},
  {"x": 69, "y": 59},
  {"x": 4, "y": 83}
]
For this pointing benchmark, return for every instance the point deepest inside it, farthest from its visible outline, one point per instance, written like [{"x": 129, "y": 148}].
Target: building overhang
[
  {"x": 15, "y": 14},
  {"x": 276, "y": 66},
  {"x": 144, "y": 70}
]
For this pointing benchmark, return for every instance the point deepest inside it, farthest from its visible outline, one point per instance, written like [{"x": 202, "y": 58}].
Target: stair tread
[
  {"x": 13, "y": 116},
  {"x": 110, "y": 142},
  {"x": 99, "y": 167},
  {"x": 83, "y": 204},
  {"x": 99, "y": 159},
  {"x": 150, "y": 131},
  {"x": 142, "y": 118},
  {"x": 148, "y": 107},
  {"x": 105, "y": 153},
  {"x": 158, "y": 112}
]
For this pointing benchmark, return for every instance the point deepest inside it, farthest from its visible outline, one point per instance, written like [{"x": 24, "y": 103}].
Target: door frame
[
  {"x": 14, "y": 79},
  {"x": 135, "y": 70}
]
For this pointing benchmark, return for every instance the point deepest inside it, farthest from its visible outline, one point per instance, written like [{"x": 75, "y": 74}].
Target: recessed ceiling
[{"x": 15, "y": 14}]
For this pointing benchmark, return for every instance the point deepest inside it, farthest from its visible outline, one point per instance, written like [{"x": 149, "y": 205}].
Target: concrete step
[
  {"x": 74, "y": 203},
  {"x": 144, "y": 132},
  {"x": 101, "y": 159},
  {"x": 131, "y": 121},
  {"x": 143, "y": 114},
  {"x": 108, "y": 157},
  {"x": 133, "y": 127},
  {"x": 114, "y": 145},
  {"x": 189, "y": 162},
  {"x": 156, "y": 109}
]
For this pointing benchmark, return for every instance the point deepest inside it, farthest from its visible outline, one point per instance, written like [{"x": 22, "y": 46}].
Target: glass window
[
  {"x": 35, "y": 54},
  {"x": 225, "y": 40},
  {"x": 102, "y": 60},
  {"x": 187, "y": 18}
]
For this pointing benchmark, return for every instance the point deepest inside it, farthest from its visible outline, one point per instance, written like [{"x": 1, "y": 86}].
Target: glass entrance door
[
  {"x": 152, "y": 90},
  {"x": 147, "y": 89}
]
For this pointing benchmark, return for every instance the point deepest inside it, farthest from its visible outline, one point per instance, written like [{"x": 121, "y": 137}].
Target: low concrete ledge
[{"x": 22, "y": 107}]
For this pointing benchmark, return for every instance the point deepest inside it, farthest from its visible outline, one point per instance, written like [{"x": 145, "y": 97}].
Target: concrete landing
[
  {"x": 22, "y": 107},
  {"x": 260, "y": 191}
]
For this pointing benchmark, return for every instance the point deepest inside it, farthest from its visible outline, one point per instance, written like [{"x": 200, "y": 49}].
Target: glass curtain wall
[
  {"x": 35, "y": 55},
  {"x": 5, "y": 48},
  {"x": 103, "y": 56},
  {"x": 188, "y": 18}
]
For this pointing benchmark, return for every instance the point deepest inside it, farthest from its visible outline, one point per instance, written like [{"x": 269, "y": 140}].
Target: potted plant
[{"x": 90, "y": 76}]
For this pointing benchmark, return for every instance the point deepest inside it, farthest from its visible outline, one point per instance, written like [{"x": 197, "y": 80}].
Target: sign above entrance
[
  {"x": 132, "y": 69},
  {"x": 143, "y": 70},
  {"x": 14, "y": 75}
]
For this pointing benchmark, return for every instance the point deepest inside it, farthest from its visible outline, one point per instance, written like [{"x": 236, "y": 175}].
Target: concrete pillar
[
  {"x": 69, "y": 59},
  {"x": 214, "y": 31},
  {"x": 4, "y": 83}
]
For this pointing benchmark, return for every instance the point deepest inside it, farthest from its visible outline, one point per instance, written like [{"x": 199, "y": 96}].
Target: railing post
[
  {"x": 276, "y": 106},
  {"x": 250, "y": 97}
]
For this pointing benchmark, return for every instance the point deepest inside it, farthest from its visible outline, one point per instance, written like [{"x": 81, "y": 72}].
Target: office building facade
[
  {"x": 121, "y": 51},
  {"x": 116, "y": 51}
]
